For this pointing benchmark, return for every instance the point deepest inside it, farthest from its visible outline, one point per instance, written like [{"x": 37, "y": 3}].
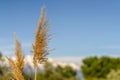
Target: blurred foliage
[
  {"x": 49, "y": 73},
  {"x": 57, "y": 73},
  {"x": 4, "y": 72},
  {"x": 95, "y": 68}
]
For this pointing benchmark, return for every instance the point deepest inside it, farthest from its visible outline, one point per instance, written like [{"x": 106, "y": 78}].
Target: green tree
[{"x": 94, "y": 67}]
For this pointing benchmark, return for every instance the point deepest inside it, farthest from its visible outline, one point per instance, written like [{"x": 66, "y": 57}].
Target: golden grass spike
[
  {"x": 42, "y": 21},
  {"x": 41, "y": 41},
  {"x": 15, "y": 70},
  {"x": 19, "y": 54}
]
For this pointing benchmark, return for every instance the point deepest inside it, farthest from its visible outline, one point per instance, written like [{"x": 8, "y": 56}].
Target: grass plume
[
  {"x": 17, "y": 66},
  {"x": 40, "y": 46},
  {"x": 15, "y": 70},
  {"x": 19, "y": 55}
]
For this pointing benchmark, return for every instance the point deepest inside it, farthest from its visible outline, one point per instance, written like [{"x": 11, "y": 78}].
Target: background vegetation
[
  {"x": 101, "y": 68},
  {"x": 93, "y": 68},
  {"x": 49, "y": 73}
]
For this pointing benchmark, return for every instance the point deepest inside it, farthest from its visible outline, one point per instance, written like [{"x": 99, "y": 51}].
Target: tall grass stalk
[{"x": 40, "y": 46}]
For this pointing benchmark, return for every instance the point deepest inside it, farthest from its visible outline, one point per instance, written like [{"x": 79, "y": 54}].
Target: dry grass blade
[
  {"x": 15, "y": 70},
  {"x": 19, "y": 55}
]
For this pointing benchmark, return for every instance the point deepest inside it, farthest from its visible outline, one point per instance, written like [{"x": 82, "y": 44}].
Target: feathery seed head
[
  {"x": 19, "y": 55},
  {"x": 41, "y": 40},
  {"x": 15, "y": 70}
]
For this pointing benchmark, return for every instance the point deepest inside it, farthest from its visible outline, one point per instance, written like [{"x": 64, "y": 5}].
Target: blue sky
[{"x": 80, "y": 27}]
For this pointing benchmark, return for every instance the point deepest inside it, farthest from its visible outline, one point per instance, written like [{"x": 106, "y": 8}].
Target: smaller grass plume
[{"x": 17, "y": 65}]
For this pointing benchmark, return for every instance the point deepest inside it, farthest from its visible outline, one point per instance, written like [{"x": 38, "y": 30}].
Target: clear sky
[{"x": 80, "y": 27}]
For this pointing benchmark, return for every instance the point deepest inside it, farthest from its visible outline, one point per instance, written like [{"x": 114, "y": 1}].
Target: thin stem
[
  {"x": 35, "y": 73},
  {"x": 35, "y": 69}
]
